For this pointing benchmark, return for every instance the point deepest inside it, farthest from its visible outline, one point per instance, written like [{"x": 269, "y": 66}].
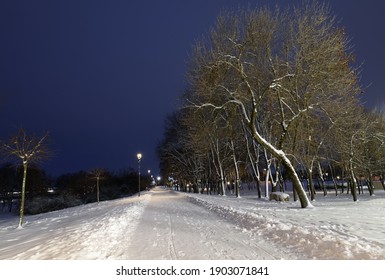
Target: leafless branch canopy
[{"x": 27, "y": 147}]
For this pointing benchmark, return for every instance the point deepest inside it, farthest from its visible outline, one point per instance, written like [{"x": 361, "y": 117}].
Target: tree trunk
[
  {"x": 333, "y": 178},
  {"x": 353, "y": 181},
  {"x": 254, "y": 165},
  {"x": 321, "y": 177},
  {"x": 382, "y": 181},
  {"x": 25, "y": 167},
  {"x": 359, "y": 186},
  {"x": 311, "y": 183},
  {"x": 223, "y": 183},
  {"x": 343, "y": 179},
  {"x": 321, "y": 182},
  {"x": 295, "y": 196},
  {"x": 196, "y": 186},
  {"x": 335, "y": 185},
  {"x": 281, "y": 156},
  {"x": 297, "y": 186},
  {"x": 370, "y": 182},
  {"x": 267, "y": 181},
  {"x": 237, "y": 179},
  {"x": 274, "y": 182},
  {"x": 258, "y": 188}
]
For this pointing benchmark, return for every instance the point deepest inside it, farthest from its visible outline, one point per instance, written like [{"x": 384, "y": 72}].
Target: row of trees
[
  {"x": 273, "y": 91},
  {"x": 23, "y": 181},
  {"x": 44, "y": 193},
  {"x": 100, "y": 184}
]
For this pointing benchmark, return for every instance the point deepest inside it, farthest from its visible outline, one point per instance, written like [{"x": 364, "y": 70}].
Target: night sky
[{"x": 101, "y": 76}]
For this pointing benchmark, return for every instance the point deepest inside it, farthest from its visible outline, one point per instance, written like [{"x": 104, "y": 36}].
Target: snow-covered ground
[
  {"x": 92, "y": 231},
  {"x": 336, "y": 228},
  {"x": 163, "y": 224}
]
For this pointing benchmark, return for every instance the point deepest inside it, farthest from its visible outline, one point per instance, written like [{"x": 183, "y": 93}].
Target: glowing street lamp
[{"x": 139, "y": 156}]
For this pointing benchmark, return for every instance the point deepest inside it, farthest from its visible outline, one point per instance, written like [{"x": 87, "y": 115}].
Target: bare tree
[
  {"x": 283, "y": 85},
  {"x": 177, "y": 152},
  {"x": 283, "y": 68},
  {"x": 98, "y": 174},
  {"x": 29, "y": 149},
  {"x": 380, "y": 151}
]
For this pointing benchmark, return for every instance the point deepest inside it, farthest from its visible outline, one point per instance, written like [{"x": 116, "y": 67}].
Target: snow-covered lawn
[
  {"x": 163, "y": 224},
  {"x": 336, "y": 228},
  {"x": 92, "y": 231}
]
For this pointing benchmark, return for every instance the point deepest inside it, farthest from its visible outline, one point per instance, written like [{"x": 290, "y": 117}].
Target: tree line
[
  {"x": 24, "y": 185},
  {"x": 274, "y": 95},
  {"x": 46, "y": 193}
]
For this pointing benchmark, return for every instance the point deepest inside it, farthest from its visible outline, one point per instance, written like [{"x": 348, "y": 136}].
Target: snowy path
[
  {"x": 160, "y": 224},
  {"x": 167, "y": 225},
  {"x": 174, "y": 228}
]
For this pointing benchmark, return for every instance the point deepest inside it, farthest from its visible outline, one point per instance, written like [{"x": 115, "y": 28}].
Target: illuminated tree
[
  {"x": 29, "y": 149},
  {"x": 288, "y": 70}
]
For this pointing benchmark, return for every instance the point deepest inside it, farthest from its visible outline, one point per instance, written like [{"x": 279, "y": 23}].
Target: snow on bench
[{"x": 279, "y": 196}]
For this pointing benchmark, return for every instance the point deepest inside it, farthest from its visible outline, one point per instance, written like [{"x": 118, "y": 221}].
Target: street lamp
[{"x": 139, "y": 156}]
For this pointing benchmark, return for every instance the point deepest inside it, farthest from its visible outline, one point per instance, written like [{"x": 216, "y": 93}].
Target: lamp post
[
  {"x": 149, "y": 176},
  {"x": 139, "y": 156}
]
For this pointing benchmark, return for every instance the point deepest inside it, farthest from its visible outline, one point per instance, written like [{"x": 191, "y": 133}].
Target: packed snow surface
[{"x": 164, "y": 224}]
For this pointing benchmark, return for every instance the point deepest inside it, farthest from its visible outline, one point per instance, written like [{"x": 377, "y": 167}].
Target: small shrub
[{"x": 43, "y": 204}]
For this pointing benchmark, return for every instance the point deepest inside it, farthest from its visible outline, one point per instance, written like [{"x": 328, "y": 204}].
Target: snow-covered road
[{"x": 172, "y": 227}]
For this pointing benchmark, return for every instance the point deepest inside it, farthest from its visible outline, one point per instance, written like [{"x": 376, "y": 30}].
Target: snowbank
[
  {"x": 91, "y": 231},
  {"x": 337, "y": 228}
]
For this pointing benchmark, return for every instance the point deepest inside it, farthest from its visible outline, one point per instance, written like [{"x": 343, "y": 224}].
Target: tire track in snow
[{"x": 171, "y": 245}]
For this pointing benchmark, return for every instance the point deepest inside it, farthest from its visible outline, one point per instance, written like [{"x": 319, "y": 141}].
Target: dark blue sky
[{"x": 102, "y": 75}]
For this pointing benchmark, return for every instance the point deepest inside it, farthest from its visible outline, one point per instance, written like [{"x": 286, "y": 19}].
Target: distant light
[
  {"x": 158, "y": 178},
  {"x": 139, "y": 156}
]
